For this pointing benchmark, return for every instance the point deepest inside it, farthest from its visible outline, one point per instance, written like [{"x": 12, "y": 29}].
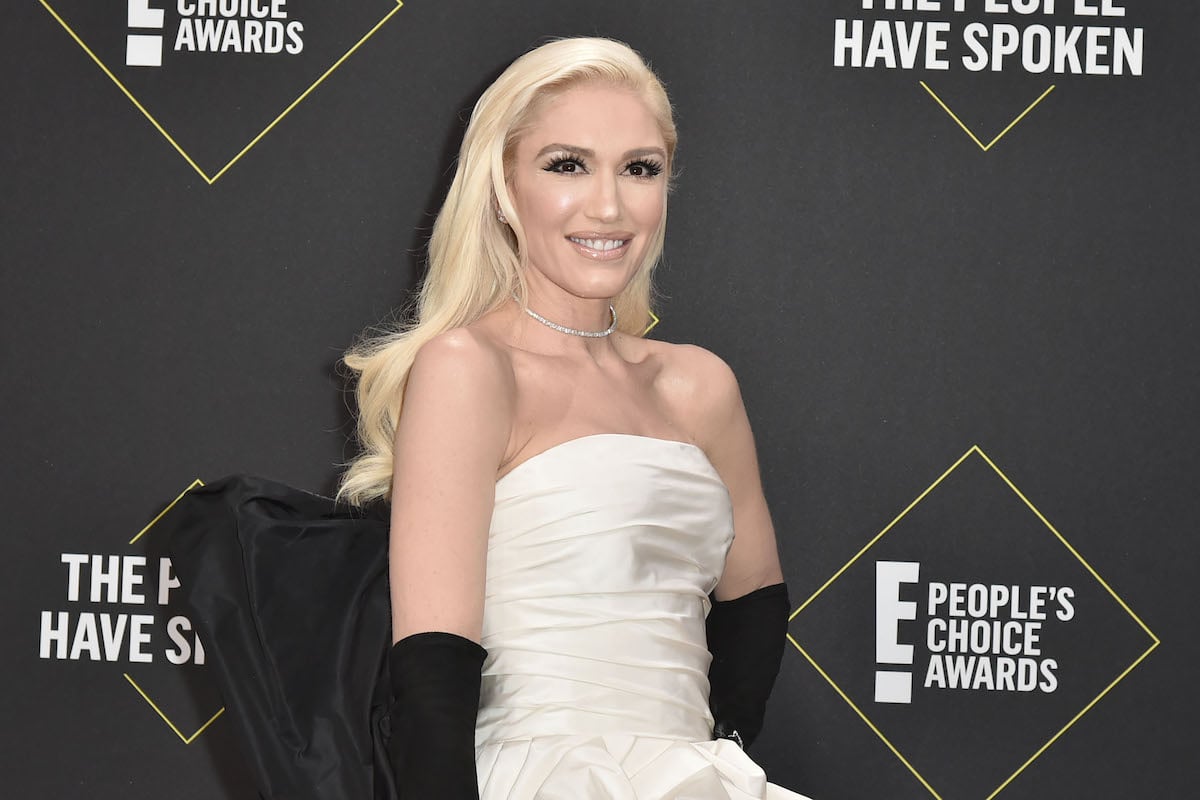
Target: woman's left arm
[
  {"x": 722, "y": 430},
  {"x": 747, "y": 625}
]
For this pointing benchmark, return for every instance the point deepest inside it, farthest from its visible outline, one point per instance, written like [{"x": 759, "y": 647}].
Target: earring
[{"x": 500, "y": 216}]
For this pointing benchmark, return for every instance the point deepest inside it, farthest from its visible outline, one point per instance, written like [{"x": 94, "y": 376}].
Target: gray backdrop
[{"x": 902, "y": 304}]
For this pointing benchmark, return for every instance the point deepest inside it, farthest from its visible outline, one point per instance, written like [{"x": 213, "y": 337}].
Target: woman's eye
[
  {"x": 565, "y": 166},
  {"x": 643, "y": 169}
]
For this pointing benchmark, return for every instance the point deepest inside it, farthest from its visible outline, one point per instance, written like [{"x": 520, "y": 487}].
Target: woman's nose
[{"x": 604, "y": 199}]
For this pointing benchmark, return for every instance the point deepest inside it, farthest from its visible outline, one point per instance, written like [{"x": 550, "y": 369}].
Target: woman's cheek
[
  {"x": 650, "y": 207},
  {"x": 565, "y": 202}
]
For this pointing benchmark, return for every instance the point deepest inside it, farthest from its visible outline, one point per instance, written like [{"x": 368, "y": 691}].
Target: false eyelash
[
  {"x": 558, "y": 159},
  {"x": 653, "y": 168}
]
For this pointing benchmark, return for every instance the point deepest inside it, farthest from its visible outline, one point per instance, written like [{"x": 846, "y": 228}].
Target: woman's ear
[{"x": 500, "y": 215}]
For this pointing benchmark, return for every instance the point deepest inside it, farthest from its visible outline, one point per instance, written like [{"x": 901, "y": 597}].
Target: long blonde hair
[{"x": 475, "y": 262}]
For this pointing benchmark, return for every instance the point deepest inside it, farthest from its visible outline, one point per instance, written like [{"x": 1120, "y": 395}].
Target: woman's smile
[{"x": 602, "y": 247}]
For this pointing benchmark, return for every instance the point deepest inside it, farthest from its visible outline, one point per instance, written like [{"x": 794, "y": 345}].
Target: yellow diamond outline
[
  {"x": 974, "y": 450},
  {"x": 999, "y": 136},
  {"x": 166, "y": 719},
  {"x": 195, "y": 482},
  {"x": 149, "y": 701},
  {"x": 261, "y": 134}
]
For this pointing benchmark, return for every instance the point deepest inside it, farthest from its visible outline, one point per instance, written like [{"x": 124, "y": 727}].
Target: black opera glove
[
  {"x": 435, "y": 685},
  {"x": 746, "y": 637}
]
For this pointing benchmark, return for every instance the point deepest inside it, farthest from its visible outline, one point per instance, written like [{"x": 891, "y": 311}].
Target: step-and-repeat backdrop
[{"x": 949, "y": 246}]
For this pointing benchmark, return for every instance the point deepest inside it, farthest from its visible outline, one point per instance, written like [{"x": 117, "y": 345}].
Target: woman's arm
[
  {"x": 449, "y": 443},
  {"x": 747, "y": 625},
  {"x": 722, "y": 429}
]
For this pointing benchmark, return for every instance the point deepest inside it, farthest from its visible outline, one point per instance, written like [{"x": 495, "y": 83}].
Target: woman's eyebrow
[
  {"x": 589, "y": 153},
  {"x": 646, "y": 151},
  {"x": 570, "y": 148}
]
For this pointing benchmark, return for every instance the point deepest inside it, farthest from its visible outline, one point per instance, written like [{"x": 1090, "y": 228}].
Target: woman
[{"x": 563, "y": 491}]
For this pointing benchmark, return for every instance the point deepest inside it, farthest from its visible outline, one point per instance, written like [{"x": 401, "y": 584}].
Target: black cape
[{"x": 289, "y": 593}]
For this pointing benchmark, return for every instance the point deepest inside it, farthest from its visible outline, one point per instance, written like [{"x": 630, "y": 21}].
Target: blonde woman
[{"x": 565, "y": 493}]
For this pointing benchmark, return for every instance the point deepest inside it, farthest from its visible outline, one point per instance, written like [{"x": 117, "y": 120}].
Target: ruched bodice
[{"x": 601, "y": 555}]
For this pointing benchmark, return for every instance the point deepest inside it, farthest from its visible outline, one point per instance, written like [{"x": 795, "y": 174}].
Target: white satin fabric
[{"x": 601, "y": 556}]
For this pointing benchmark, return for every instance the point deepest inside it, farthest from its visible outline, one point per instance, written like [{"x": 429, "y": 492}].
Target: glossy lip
[{"x": 601, "y": 255}]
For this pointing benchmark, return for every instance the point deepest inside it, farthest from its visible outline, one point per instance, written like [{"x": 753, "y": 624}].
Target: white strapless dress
[{"x": 601, "y": 556}]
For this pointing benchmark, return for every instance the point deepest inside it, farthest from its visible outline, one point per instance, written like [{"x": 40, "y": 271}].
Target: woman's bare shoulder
[
  {"x": 462, "y": 371},
  {"x": 697, "y": 385},
  {"x": 695, "y": 363},
  {"x": 464, "y": 355}
]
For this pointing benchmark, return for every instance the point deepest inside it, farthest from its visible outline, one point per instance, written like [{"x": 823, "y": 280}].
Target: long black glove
[
  {"x": 746, "y": 637},
  {"x": 435, "y": 682}
]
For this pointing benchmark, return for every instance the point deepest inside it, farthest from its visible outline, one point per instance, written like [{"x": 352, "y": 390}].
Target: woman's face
[{"x": 588, "y": 184}]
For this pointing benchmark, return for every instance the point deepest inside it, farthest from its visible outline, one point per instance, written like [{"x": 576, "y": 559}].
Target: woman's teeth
[{"x": 598, "y": 244}]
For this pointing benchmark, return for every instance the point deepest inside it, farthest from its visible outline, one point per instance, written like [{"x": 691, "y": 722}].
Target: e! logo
[
  {"x": 143, "y": 50},
  {"x": 893, "y": 686}
]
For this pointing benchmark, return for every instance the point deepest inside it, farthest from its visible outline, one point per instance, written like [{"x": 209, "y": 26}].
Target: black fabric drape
[{"x": 289, "y": 593}]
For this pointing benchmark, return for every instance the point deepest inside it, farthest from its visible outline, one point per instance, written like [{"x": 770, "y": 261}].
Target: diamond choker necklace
[{"x": 575, "y": 331}]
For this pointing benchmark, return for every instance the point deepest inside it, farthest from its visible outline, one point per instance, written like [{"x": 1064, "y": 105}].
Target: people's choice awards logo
[
  {"x": 977, "y": 608},
  {"x": 120, "y": 613},
  {"x": 215, "y": 76},
  {"x": 977, "y": 636},
  {"x": 214, "y": 26},
  {"x": 1032, "y": 38}
]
